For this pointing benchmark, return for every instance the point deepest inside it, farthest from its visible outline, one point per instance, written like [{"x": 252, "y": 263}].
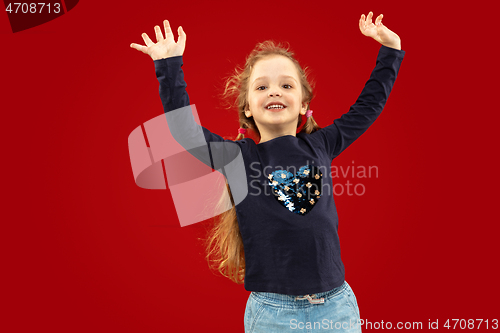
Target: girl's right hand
[{"x": 164, "y": 47}]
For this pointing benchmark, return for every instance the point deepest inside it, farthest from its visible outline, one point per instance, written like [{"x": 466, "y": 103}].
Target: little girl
[{"x": 281, "y": 240}]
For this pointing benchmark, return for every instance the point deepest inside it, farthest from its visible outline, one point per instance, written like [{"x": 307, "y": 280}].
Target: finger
[
  {"x": 364, "y": 22},
  {"x": 148, "y": 41},
  {"x": 369, "y": 18},
  {"x": 168, "y": 30},
  {"x": 138, "y": 47},
  {"x": 182, "y": 35},
  {"x": 379, "y": 19},
  {"x": 159, "y": 35}
]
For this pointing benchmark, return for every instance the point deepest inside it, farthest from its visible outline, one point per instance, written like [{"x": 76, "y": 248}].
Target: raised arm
[
  {"x": 370, "y": 103},
  {"x": 167, "y": 56},
  {"x": 209, "y": 148}
]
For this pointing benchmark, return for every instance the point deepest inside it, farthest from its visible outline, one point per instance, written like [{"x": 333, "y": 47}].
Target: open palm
[
  {"x": 165, "y": 47},
  {"x": 377, "y": 30}
]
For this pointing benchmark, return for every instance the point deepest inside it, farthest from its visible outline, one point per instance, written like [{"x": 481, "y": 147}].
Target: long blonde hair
[{"x": 224, "y": 244}]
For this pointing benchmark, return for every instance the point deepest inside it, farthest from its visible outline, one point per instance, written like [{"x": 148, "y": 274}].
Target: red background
[{"x": 85, "y": 249}]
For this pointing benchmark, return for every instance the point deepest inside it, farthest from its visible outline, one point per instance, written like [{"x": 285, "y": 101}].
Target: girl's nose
[{"x": 274, "y": 93}]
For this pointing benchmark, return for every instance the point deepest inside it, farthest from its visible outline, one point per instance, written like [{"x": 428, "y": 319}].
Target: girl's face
[{"x": 275, "y": 95}]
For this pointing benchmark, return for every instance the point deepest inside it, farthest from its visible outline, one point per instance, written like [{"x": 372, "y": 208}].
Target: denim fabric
[{"x": 272, "y": 312}]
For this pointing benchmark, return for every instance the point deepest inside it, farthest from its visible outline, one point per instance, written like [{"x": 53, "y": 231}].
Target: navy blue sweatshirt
[{"x": 288, "y": 220}]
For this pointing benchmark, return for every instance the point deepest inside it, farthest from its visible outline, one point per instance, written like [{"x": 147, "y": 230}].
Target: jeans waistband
[{"x": 284, "y": 299}]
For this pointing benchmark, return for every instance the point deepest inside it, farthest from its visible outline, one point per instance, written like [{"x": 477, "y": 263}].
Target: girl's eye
[{"x": 286, "y": 86}]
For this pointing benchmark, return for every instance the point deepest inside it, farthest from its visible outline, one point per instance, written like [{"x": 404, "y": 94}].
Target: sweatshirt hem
[{"x": 268, "y": 288}]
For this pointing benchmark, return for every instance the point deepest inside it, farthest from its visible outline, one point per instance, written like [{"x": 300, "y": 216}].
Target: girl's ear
[{"x": 304, "y": 108}]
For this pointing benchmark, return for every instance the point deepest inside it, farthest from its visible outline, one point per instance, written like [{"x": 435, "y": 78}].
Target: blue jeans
[{"x": 331, "y": 311}]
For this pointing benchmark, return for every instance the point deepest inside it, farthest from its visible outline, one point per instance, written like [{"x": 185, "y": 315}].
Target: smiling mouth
[{"x": 275, "y": 107}]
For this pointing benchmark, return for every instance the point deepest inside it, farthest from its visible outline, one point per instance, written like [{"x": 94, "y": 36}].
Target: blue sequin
[{"x": 298, "y": 193}]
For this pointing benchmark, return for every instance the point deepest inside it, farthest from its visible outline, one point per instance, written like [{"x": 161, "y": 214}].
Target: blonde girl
[{"x": 282, "y": 240}]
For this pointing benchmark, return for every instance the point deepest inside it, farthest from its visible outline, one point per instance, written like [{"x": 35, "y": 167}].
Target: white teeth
[{"x": 275, "y": 106}]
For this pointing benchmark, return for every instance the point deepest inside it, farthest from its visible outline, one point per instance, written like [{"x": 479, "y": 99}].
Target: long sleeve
[
  {"x": 208, "y": 147},
  {"x": 369, "y": 105},
  {"x": 173, "y": 92}
]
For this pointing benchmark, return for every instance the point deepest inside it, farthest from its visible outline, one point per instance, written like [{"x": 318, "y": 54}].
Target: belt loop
[{"x": 312, "y": 300}]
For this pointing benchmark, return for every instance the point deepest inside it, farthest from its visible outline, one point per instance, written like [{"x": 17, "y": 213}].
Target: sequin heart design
[{"x": 299, "y": 192}]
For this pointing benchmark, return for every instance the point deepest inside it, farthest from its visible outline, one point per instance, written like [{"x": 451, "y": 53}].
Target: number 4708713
[{"x": 32, "y": 7}]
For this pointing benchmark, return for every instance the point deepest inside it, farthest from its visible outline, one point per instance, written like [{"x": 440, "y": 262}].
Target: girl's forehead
[{"x": 272, "y": 66}]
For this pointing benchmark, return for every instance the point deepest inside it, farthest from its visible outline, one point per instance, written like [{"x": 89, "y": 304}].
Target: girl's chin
[
  {"x": 275, "y": 110},
  {"x": 277, "y": 120}
]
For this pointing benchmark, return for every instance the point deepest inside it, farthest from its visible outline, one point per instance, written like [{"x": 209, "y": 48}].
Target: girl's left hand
[{"x": 379, "y": 31}]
